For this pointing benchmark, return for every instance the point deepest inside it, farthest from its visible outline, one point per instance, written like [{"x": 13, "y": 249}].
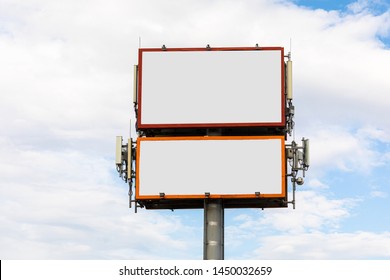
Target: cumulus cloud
[
  {"x": 339, "y": 147},
  {"x": 66, "y": 69},
  {"x": 316, "y": 184},
  {"x": 65, "y": 205},
  {"x": 314, "y": 213},
  {"x": 320, "y": 246},
  {"x": 379, "y": 194}
]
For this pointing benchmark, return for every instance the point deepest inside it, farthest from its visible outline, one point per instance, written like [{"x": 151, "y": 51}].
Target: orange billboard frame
[{"x": 140, "y": 195}]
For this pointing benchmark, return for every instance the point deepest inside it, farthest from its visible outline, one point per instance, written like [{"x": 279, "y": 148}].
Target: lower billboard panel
[{"x": 185, "y": 170}]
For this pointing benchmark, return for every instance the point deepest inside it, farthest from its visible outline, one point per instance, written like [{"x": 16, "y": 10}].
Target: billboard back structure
[
  {"x": 215, "y": 87},
  {"x": 180, "y": 172}
]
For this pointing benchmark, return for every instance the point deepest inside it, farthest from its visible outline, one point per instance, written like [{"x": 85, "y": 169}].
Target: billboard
[
  {"x": 217, "y": 87},
  {"x": 226, "y": 167}
]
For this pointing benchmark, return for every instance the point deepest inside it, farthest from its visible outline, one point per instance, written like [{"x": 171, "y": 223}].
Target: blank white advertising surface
[
  {"x": 189, "y": 167},
  {"x": 195, "y": 88}
]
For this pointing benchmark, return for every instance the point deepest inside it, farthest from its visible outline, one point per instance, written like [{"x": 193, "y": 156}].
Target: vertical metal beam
[{"x": 213, "y": 239}]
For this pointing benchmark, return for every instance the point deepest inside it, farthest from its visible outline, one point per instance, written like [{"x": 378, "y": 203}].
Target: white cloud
[
  {"x": 316, "y": 183},
  {"x": 379, "y": 194},
  {"x": 314, "y": 212},
  {"x": 66, "y": 69},
  {"x": 372, "y": 133},
  {"x": 376, "y": 191},
  {"x": 339, "y": 147},
  {"x": 311, "y": 231},
  {"x": 65, "y": 205},
  {"x": 336, "y": 246},
  {"x": 366, "y": 7}
]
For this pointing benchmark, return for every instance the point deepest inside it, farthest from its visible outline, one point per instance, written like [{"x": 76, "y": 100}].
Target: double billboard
[
  {"x": 237, "y": 92},
  {"x": 216, "y": 87}
]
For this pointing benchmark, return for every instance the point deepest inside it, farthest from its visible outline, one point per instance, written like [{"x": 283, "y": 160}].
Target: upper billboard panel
[
  {"x": 217, "y": 87},
  {"x": 229, "y": 167}
]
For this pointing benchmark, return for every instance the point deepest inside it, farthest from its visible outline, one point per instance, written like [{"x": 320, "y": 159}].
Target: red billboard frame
[{"x": 141, "y": 126}]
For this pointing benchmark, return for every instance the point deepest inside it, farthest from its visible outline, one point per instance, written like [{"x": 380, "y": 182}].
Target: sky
[{"x": 66, "y": 70}]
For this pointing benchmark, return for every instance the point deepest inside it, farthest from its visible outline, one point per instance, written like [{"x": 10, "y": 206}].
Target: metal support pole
[{"x": 213, "y": 239}]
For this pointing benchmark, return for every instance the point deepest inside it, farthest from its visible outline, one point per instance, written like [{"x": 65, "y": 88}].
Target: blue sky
[
  {"x": 376, "y": 6},
  {"x": 65, "y": 93},
  {"x": 341, "y": 5}
]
